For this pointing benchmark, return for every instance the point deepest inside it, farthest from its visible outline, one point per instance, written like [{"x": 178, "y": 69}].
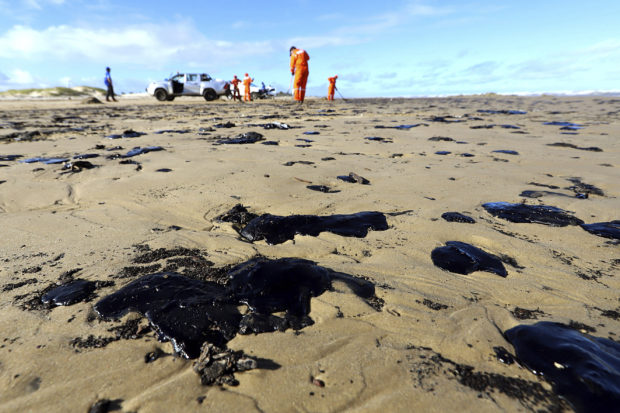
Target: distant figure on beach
[
  {"x": 236, "y": 94},
  {"x": 299, "y": 68},
  {"x": 108, "y": 83},
  {"x": 247, "y": 81},
  {"x": 332, "y": 87}
]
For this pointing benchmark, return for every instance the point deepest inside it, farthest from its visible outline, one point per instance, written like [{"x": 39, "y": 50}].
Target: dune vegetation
[{"x": 77, "y": 91}]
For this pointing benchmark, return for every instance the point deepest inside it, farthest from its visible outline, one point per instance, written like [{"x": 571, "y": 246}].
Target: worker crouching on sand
[
  {"x": 235, "y": 82},
  {"x": 332, "y": 87},
  {"x": 299, "y": 68},
  {"x": 247, "y": 81}
]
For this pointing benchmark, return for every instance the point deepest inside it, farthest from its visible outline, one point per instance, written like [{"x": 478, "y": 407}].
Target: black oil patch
[
  {"x": 581, "y": 187},
  {"x": 276, "y": 229},
  {"x": 238, "y": 215},
  {"x": 242, "y": 139},
  {"x": 457, "y": 217},
  {"x": 69, "y": 293},
  {"x": 604, "y": 229},
  {"x": 462, "y": 258},
  {"x": 180, "y": 309},
  {"x": 322, "y": 188},
  {"x": 584, "y": 369},
  {"x": 538, "y": 214},
  {"x": 426, "y": 365},
  {"x": 189, "y": 312},
  {"x": 525, "y": 314}
]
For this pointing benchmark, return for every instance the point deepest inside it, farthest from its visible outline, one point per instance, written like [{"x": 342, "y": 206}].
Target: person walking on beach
[
  {"x": 299, "y": 68},
  {"x": 108, "y": 83},
  {"x": 247, "y": 81},
  {"x": 332, "y": 87},
  {"x": 235, "y": 82}
]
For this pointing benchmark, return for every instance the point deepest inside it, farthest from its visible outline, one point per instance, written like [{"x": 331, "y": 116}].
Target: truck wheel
[
  {"x": 209, "y": 94},
  {"x": 161, "y": 95}
]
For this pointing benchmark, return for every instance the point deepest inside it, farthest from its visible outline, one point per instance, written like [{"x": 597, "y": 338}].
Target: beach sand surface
[{"x": 406, "y": 354}]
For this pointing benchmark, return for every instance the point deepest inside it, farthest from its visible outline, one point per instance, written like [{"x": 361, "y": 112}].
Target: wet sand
[{"x": 428, "y": 345}]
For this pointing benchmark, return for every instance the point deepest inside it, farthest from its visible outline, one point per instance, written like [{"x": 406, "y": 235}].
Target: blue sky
[{"x": 377, "y": 48}]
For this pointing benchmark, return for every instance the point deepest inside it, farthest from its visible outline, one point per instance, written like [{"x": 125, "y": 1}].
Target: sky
[{"x": 386, "y": 48}]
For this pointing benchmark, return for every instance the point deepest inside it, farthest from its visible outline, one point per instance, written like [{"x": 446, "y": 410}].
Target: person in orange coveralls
[
  {"x": 247, "y": 81},
  {"x": 299, "y": 68},
  {"x": 235, "y": 82},
  {"x": 332, "y": 87}
]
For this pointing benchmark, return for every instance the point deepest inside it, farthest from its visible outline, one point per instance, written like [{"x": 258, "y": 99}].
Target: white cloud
[
  {"x": 21, "y": 77},
  {"x": 39, "y": 4},
  {"x": 482, "y": 69},
  {"x": 330, "y": 17},
  {"x": 390, "y": 75},
  {"x": 148, "y": 45},
  {"x": 357, "y": 77},
  {"x": 570, "y": 64},
  {"x": 602, "y": 50},
  {"x": 315, "y": 42},
  {"x": 417, "y": 8},
  {"x": 65, "y": 81},
  {"x": 388, "y": 20},
  {"x": 32, "y": 4},
  {"x": 17, "y": 78}
]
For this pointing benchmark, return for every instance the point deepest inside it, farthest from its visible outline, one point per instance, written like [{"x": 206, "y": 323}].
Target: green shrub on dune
[{"x": 78, "y": 91}]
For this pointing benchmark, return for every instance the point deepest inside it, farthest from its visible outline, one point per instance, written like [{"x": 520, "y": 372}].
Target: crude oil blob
[
  {"x": 190, "y": 312},
  {"x": 244, "y": 138},
  {"x": 457, "y": 217},
  {"x": 322, "y": 188},
  {"x": 463, "y": 258},
  {"x": 506, "y": 151},
  {"x": 277, "y": 229},
  {"x": 584, "y": 369},
  {"x": 180, "y": 309},
  {"x": 538, "y": 214},
  {"x": 139, "y": 151},
  {"x": 604, "y": 229},
  {"x": 69, "y": 293}
]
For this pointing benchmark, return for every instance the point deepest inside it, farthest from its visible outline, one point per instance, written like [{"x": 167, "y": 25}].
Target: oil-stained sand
[{"x": 430, "y": 339}]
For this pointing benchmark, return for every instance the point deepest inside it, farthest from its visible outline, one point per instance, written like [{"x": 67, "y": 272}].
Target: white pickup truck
[{"x": 189, "y": 84}]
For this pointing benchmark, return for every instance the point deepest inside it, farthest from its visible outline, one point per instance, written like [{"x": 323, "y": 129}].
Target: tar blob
[
  {"x": 189, "y": 312},
  {"x": 69, "y": 293},
  {"x": 463, "y": 258},
  {"x": 583, "y": 369},
  {"x": 457, "y": 217},
  {"x": 539, "y": 214},
  {"x": 278, "y": 229},
  {"x": 604, "y": 229}
]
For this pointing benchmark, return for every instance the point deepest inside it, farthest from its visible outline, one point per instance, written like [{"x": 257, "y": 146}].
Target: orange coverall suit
[
  {"x": 331, "y": 88},
  {"x": 299, "y": 67},
  {"x": 247, "y": 81}
]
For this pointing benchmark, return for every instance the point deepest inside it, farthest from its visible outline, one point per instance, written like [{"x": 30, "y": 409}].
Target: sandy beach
[{"x": 427, "y": 340}]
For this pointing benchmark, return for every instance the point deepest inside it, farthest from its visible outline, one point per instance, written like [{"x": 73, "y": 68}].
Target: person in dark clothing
[{"x": 108, "y": 83}]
